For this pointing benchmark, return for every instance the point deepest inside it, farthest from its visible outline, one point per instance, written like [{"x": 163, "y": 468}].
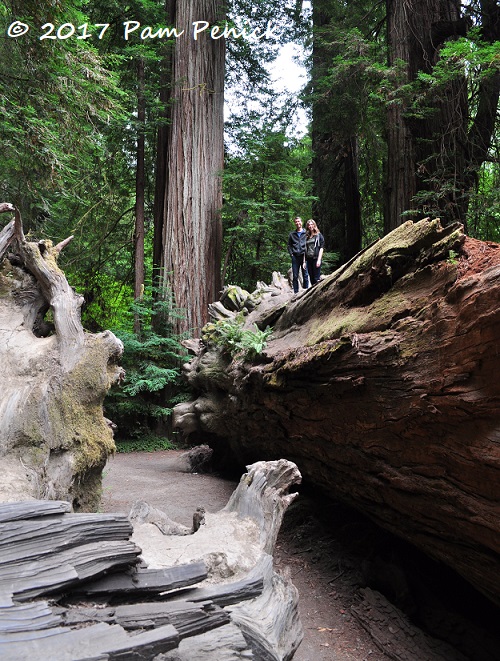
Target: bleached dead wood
[
  {"x": 238, "y": 543},
  {"x": 54, "y": 439},
  {"x": 241, "y": 610},
  {"x": 53, "y": 552}
]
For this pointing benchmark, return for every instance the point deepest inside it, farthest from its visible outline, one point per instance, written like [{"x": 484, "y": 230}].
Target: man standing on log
[{"x": 297, "y": 250}]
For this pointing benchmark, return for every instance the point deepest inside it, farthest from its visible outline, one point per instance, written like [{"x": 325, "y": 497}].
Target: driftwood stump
[
  {"x": 236, "y": 545},
  {"x": 54, "y": 439},
  {"x": 381, "y": 384}
]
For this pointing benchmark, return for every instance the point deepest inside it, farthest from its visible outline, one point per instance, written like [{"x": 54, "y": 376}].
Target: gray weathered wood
[
  {"x": 263, "y": 496},
  {"x": 27, "y": 617},
  {"x": 188, "y": 618},
  {"x": 35, "y": 538},
  {"x": 78, "y": 644},
  {"x": 270, "y": 620},
  {"x": 143, "y": 512},
  {"x": 69, "y": 555},
  {"x": 32, "y": 509},
  {"x": 54, "y": 439},
  {"x": 147, "y": 580},
  {"x": 226, "y": 594},
  {"x": 6, "y": 236},
  {"x": 224, "y": 644},
  {"x": 63, "y": 570}
]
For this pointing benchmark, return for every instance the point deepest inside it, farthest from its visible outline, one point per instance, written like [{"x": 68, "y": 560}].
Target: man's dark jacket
[{"x": 297, "y": 243}]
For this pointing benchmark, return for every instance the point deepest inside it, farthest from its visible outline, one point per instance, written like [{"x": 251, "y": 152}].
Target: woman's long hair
[{"x": 311, "y": 228}]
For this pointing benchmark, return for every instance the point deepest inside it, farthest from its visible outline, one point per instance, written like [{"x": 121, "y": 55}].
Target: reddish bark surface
[{"x": 382, "y": 385}]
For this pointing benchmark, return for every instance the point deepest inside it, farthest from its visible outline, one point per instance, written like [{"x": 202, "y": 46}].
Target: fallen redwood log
[
  {"x": 54, "y": 439},
  {"x": 381, "y": 384}
]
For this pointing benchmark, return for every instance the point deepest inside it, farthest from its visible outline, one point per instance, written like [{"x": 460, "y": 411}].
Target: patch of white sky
[{"x": 287, "y": 76}]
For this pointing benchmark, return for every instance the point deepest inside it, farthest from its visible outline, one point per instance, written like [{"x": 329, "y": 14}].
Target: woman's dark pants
[{"x": 313, "y": 270}]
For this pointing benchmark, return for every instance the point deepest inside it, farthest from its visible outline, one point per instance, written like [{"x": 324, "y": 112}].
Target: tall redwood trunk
[
  {"x": 192, "y": 229},
  {"x": 335, "y": 152},
  {"x": 428, "y": 154}
]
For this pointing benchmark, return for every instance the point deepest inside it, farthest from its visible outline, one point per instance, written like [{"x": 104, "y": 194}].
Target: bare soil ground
[{"x": 329, "y": 552}]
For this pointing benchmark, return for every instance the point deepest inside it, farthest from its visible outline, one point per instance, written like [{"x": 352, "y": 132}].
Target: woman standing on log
[{"x": 315, "y": 243}]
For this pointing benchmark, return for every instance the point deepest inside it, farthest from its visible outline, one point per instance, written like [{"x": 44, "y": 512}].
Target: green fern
[{"x": 231, "y": 337}]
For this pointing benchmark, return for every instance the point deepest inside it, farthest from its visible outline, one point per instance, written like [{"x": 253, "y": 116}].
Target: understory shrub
[
  {"x": 141, "y": 406},
  {"x": 149, "y": 443}
]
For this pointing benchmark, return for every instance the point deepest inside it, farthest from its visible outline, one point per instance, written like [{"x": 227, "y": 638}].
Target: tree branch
[
  {"x": 62, "y": 244},
  {"x": 6, "y": 236}
]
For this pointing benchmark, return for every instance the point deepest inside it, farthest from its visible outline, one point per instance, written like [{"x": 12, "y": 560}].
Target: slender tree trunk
[
  {"x": 192, "y": 229},
  {"x": 139, "y": 193},
  {"x": 260, "y": 237},
  {"x": 162, "y": 141},
  {"x": 352, "y": 198}
]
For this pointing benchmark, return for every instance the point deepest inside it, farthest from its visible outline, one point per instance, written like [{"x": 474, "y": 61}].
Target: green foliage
[
  {"x": 329, "y": 262},
  {"x": 152, "y": 361},
  {"x": 69, "y": 132},
  {"x": 231, "y": 337},
  {"x": 266, "y": 184},
  {"x": 450, "y": 110},
  {"x": 147, "y": 443},
  {"x": 57, "y": 97},
  {"x": 483, "y": 218}
]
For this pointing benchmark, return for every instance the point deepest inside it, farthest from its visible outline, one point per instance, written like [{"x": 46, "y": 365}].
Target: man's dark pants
[{"x": 297, "y": 264}]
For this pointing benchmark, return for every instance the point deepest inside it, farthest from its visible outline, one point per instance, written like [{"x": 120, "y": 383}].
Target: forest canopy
[{"x": 113, "y": 131}]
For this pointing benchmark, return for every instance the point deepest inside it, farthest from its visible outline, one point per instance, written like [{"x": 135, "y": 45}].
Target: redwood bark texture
[
  {"x": 381, "y": 384},
  {"x": 192, "y": 230},
  {"x": 426, "y": 153}
]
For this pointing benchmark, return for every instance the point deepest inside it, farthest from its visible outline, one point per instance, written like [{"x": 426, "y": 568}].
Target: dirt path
[
  {"x": 326, "y": 583},
  {"x": 330, "y": 552}
]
